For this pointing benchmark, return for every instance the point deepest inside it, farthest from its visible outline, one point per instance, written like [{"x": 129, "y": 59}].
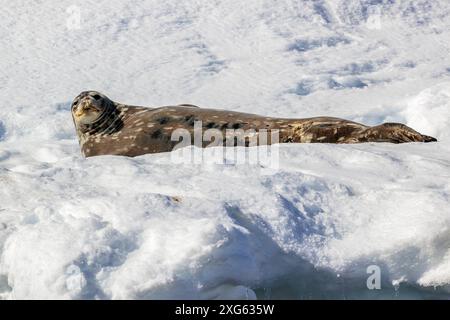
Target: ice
[{"x": 148, "y": 228}]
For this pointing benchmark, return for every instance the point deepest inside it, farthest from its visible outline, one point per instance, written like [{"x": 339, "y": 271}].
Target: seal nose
[{"x": 83, "y": 105}]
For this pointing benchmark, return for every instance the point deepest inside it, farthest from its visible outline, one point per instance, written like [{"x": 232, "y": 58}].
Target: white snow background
[{"x": 146, "y": 228}]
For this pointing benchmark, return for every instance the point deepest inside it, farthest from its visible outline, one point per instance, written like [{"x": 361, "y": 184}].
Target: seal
[{"x": 105, "y": 127}]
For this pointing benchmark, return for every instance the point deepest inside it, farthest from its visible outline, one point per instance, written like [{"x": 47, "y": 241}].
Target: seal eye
[
  {"x": 96, "y": 97},
  {"x": 74, "y": 104}
]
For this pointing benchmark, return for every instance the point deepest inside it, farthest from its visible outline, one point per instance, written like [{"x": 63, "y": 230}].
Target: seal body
[{"x": 105, "y": 127}]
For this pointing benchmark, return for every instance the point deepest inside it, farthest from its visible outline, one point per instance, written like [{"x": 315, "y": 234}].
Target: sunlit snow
[{"x": 147, "y": 228}]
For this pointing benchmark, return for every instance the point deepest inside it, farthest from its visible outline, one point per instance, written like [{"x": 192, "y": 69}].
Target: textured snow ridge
[{"x": 148, "y": 228}]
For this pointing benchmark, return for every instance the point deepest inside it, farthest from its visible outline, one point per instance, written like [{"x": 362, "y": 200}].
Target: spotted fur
[{"x": 117, "y": 129}]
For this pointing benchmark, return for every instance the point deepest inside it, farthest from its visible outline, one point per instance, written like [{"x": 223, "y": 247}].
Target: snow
[{"x": 147, "y": 228}]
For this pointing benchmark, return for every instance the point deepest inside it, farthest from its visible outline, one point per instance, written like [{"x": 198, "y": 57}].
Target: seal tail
[
  {"x": 428, "y": 138},
  {"x": 393, "y": 132}
]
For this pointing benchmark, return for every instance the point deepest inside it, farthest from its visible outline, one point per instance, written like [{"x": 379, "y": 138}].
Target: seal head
[
  {"x": 93, "y": 112},
  {"x": 89, "y": 106},
  {"x": 94, "y": 115}
]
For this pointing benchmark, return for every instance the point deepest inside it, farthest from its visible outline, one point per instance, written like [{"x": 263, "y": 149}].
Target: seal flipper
[
  {"x": 394, "y": 133},
  {"x": 428, "y": 139}
]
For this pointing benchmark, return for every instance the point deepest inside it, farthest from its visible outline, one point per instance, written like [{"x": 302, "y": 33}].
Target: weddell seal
[{"x": 105, "y": 127}]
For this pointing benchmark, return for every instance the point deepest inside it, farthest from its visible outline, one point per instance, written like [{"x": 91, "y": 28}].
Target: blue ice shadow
[
  {"x": 303, "y": 45},
  {"x": 2, "y": 131}
]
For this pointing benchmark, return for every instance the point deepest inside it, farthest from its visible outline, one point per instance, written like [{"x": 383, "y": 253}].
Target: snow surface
[{"x": 146, "y": 228}]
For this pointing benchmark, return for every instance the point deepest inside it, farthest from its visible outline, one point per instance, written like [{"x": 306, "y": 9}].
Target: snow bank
[
  {"x": 430, "y": 111},
  {"x": 145, "y": 228}
]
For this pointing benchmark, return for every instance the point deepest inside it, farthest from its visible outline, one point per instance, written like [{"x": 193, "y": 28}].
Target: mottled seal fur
[{"x": 105, "y": 127}]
